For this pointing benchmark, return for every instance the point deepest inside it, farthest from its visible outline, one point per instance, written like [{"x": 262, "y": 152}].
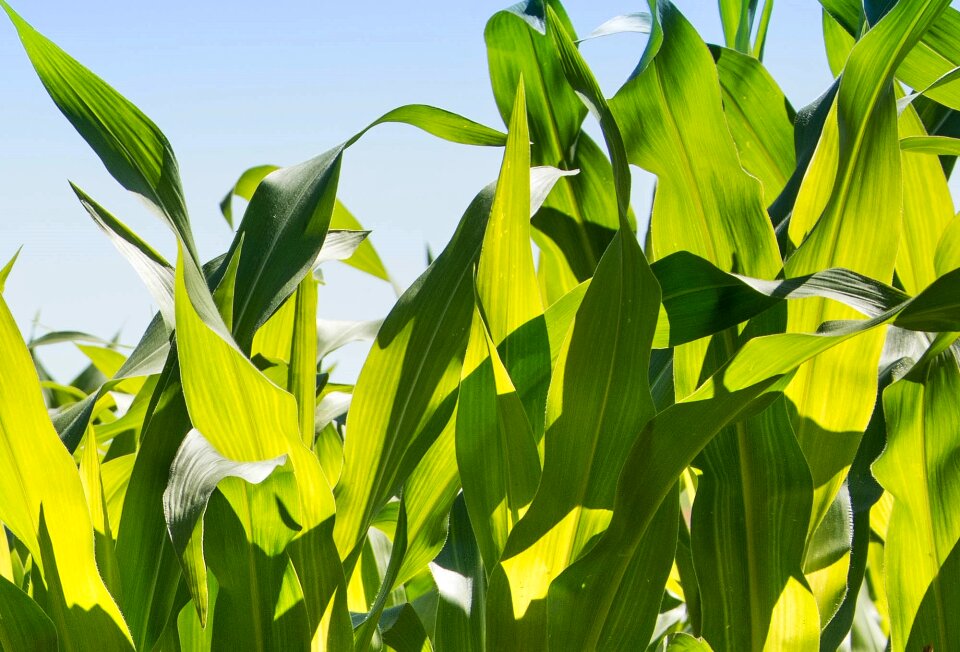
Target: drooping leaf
[
  {"x": 635, "y": 22},
  {"x": 931, "y": 145},
  {"x": 440, "y": 123},
  {"x": 331, "y": 335},
  {"x": 194, "y": 475},
  {"x": 243, "y": 415},
  {"x": 151, "y": 267}
]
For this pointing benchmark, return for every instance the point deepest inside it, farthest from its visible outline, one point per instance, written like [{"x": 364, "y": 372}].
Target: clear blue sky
[{"x": 243, "y": 83}]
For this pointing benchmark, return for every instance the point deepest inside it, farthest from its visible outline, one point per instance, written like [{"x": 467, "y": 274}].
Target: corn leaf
[
  {"x": 868, "y": 182},
  {"x": 579, "y": 219},
  {"x": 760, "y": 119},
  {"x": 364, "y": 258},
  {"x": 927, "y": 209},
  {"x": 38, "y": 477},
  {"x": 915, "y": 467},
  {"x": 573, "y": 503},
  {"x": 461, "y": 584},
  {"x": 496, "y": 449},
  {"x": 289, "y": 214},
  {"x": 5, "y": 271},
  {"x": 685, "y": 643},
  {"x": 931, "y": 145},
  {"x": 130, "y": 145},
  {"x": 660, "y": 452},
  {"x": 407, "y": 388},
  {"x": 23, "y": 625},
  {"x": 513, "y": 309},
  {"x": 155, "y": 272},
  {"x": 243, "y": 416},
  {"x": 194, "y": 475}
]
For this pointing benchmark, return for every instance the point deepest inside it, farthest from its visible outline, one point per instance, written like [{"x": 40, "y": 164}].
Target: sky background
[{"x": 241, "y": 84}]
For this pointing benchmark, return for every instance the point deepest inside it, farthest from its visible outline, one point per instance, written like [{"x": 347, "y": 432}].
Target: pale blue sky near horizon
[{"x": 250, "y": 85}]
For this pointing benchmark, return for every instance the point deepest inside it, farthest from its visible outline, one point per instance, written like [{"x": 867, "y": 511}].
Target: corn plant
[{"x": 736, "y": 430}]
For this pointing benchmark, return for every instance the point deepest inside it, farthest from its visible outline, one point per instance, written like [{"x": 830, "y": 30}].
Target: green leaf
[
  {"x": 428, "y": 495},
  {"x": 151, "y": 267},
  {"x": 636, "y": 598},
  {"x": 930, "y": 624},
  {"x": 38, "y": 476},
  {"x": 944, "y": 79},
  {"x": 403, "y": 631},
  {"x": 837, "y": 42},
  {"x": 685, "y": 643},
  {"x": 927, "y": 209},
  {"x": 700, "y": 300},
  {"x": 737, "y": 18},
  {"x": 440, "y": 123},
  {"x": 260, "y": 421},
  {"x": 302, "y": 371},
  {"x": 288, "y": 217},
  {"x": 5, "y": 271},
  {"x": 701, "y": 184},
  {"x": 461, "y": 584},
  {"x": 368, "y": 626},
  {"x": 917, "y": 468},
  {"x": 496, "y": 449},
  {"x": 933, "y": 58},
  {"x": 148, "y": 596},
  {"x": 506, "y": 280},
  {"x": 644, "y": 502},
  {"x": 244, "y": 188},
  {"x": 365, "y": 258},
  {"x": 760, "y": 119},
  {"x": 584, "y": 84},
  {"x": 931, "y": 145},
  {"x": 559, "y": 316},
  {"x": 260, "y": 604},
  {"x": 859, "y": 230},
  {"x": 407, "y": 388},
  {"x": 194, "y": 475},
  {"x": 749, "y": 524},
  {"x": 23, "y": 625},
  {"x": 92, "y": 482},
  {"x": 129, "y": 144},
  {"x": 578, "y": 221},
  {"x": 947, "y": 257},
  {"x": 573, "y": 503},
  {"x": 705, "y": 203}
]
